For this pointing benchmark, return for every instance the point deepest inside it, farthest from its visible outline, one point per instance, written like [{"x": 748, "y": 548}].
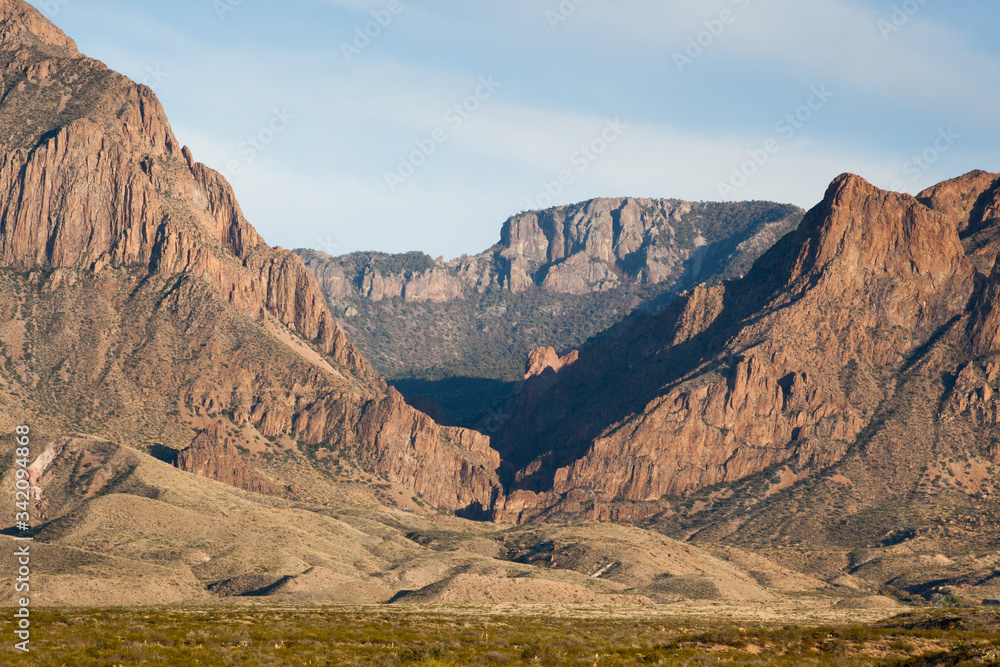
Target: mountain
[
  {"x": 840, "y": 397},
  {"x": 139, "y": 306},
  {"x": 459, "y": 332},
  {"x": 201, "y": 428}
]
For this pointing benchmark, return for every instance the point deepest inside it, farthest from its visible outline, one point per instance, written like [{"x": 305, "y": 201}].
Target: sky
[{"x": 398, "y": 125}]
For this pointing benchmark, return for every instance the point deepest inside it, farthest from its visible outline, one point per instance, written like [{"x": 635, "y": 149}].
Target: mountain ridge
[
  {"x": 623, "y": 234},
  {"x": 134, "y": 283},
  {"x": 837, "y": 409}
]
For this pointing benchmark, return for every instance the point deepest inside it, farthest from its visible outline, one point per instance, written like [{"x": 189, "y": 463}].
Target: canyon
[{"x": 714, "y": 401}]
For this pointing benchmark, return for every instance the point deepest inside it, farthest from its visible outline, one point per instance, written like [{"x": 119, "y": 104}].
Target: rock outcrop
[
  {"x": 583, "y": 248},
  {"x": 545, "y": 359},
  {"x": 447, "y": 464},
  {"x": 213, "y": 455}
]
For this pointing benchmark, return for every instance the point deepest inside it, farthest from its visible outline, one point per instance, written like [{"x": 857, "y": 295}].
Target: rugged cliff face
[
  {"x": 134, "y": 284},
  {"x": 105, "y": 183},
  {"x": 594, "y": 246},
  {"x": 600, "y": 244},
  {"x": 213, "y": 455},
  {"x": 455, "y": 333},
  {"x": 788, "y": 366}
]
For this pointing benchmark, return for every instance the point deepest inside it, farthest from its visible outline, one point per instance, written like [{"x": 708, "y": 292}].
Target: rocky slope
[
  {"x": 139, "y": 305},
  {"x": 214, "y": 455},
  {"x": 556, "y": 278}
]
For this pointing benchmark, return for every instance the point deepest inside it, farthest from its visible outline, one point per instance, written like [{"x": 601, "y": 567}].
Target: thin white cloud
[
  {"x": 323, "y": 182},
  {"x": 922, "y": 62},
  {"x": 915, "y": 61}
]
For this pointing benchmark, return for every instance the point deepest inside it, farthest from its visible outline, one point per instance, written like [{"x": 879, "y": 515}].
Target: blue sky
[{"x": 448, "y": 117}]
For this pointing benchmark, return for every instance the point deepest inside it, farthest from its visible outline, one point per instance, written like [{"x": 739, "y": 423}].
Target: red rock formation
[
  {"x": 545, "y": 358},
  {"x": 983, "y": 329},
  {"x": 67, "y": 209},
  {"x": 446, "y": 463},
  {"x": 21, "y": 25},
  {"x": 962, "y": 199},
  {"x": 973, "y": 202},
  {"x": 213, "y": 455}
]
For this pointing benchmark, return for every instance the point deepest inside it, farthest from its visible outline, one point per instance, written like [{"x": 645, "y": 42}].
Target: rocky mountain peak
[
  {"x": 23, "y": 25},
  {"x": 895, "y": 258},
  {"x": 780, "y": 366},
  {"x": 970, "y": 199},
  {"x": 93, "y": 176}
]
